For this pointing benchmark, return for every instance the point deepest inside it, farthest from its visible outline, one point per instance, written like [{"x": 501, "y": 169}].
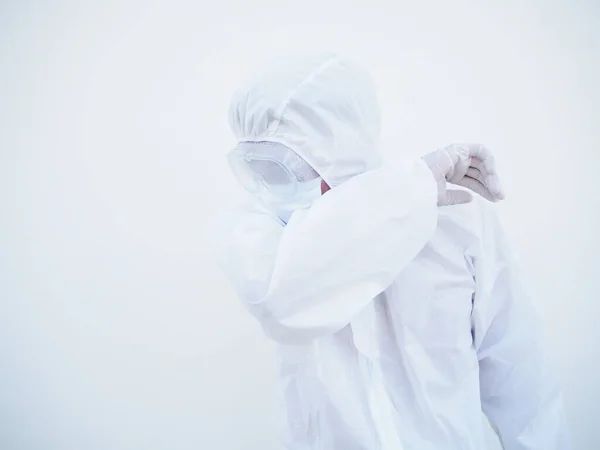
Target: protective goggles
[{"x": 269, "y": 164}]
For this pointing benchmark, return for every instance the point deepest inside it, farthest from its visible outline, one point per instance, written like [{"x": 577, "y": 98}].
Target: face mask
[
  {"x": 281, "y": 179},
  {"x": 306, "y": 194}
]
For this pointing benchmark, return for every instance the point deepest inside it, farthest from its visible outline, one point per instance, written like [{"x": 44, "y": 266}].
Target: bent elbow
[
  {"x": 289, "y": 334},
  {"x": 293, "y": 330}
]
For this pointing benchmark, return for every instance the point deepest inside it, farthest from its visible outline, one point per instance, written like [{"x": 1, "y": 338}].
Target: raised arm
[{"x": 311, "y": 277}]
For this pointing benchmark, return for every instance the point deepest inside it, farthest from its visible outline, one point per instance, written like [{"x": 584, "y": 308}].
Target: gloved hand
[{"x": 469, "y": 165}]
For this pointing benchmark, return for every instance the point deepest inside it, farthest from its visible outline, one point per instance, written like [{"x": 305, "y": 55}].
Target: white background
[{"x": 117, "y": 331}]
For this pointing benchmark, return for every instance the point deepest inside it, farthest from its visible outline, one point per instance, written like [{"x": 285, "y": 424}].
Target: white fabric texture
[{"x": 396, "y": 322}]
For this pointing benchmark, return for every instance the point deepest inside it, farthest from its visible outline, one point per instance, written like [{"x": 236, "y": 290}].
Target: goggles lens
[{"x": 270, "y": 165}]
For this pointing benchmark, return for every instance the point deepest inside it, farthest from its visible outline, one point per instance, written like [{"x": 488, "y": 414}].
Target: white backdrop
[{"x": 117, "y": 331}]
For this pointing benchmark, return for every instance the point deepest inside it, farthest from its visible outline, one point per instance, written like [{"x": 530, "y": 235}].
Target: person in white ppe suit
[{"x": 397, "y": 318}]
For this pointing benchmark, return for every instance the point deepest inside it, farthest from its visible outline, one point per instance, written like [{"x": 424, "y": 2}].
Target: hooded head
[{"x": 321, "y": 106}]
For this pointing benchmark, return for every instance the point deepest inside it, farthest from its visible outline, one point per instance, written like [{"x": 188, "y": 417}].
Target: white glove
[{"x": 469, "y": 165}]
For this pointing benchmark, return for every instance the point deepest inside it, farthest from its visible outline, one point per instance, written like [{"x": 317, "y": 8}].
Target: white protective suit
[{"x": 397, "y": 322}]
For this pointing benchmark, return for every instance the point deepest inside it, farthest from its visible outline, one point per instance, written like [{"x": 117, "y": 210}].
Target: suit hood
[{"x": 321, "y": 106}]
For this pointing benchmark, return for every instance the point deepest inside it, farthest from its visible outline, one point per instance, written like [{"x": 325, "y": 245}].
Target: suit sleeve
[{"x": 311, "y": 277}]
